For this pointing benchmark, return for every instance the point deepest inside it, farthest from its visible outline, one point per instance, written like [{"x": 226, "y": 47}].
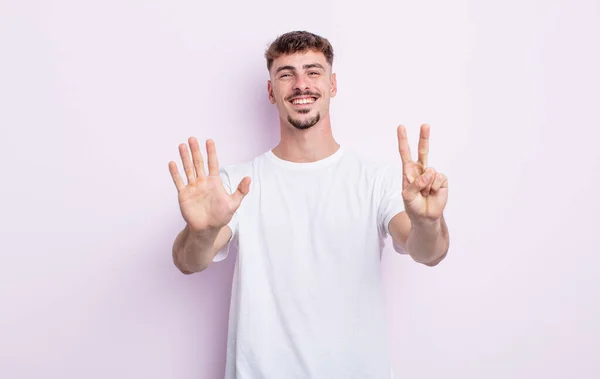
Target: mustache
[{"x": 300, "y": 93}]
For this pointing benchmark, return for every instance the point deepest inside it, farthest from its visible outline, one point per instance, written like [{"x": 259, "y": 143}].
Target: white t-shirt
[{"x": 306, "y": 298}]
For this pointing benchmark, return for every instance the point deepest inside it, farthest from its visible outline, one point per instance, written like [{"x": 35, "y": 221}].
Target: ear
[
  {"x": 270, "y": 91},
  {"x": 333, "y": 89}
]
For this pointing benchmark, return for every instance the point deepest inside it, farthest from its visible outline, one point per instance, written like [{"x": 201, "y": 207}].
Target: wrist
[
  {"x": 423, "y": 223},
  {"x": 203, "y": 233}
]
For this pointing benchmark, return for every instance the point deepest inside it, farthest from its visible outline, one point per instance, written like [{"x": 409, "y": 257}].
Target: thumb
[
  {"x": 413, "y": 189},
  {"x": 242, "y": 190}
]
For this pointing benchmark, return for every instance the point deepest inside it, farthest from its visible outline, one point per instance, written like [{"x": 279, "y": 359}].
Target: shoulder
[
  {"x": 377, "y": 171},
  {"x": 237, "y": 171},
  {"x": 384, "y": 179}
]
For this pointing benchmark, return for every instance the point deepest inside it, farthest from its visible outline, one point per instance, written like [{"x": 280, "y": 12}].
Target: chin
[{"x": 305, "y": 122}]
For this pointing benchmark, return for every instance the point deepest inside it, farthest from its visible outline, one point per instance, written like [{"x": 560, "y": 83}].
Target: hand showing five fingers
[
  {"x": 425, "y": 191},
  {"x": 205, "y": 204}
]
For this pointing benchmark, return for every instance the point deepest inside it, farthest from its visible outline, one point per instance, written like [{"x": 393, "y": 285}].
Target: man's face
[{"x": 301, "y": 86}]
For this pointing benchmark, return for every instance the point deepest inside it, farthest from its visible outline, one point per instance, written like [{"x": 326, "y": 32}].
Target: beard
[{"x": 303, "y": 125}]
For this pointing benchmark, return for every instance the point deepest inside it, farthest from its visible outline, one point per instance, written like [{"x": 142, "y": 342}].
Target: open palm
[{"x": 204, "y": 202}]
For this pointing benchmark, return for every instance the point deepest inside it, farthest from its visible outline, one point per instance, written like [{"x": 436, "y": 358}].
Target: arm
[
  {"x": 421, "y": 229},
  {"x": 206, "y": 206},
  {"x": 193, "y": 251},
  {"x": 426, "y": 243}
]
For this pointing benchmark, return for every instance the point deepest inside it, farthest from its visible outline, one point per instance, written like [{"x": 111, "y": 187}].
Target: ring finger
[
  {"x": 187, "y": 163},
  {"x": 427, "y": 189}
]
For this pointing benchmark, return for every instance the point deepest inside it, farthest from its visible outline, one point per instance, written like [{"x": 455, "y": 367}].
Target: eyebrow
[
  {"x": 313, "y": 65},
  {"x": 306, "y": 67}
]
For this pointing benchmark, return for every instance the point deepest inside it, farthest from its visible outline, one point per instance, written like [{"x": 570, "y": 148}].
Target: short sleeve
[
  {"x": 233, "y": 224},
  {"x": 391, "y": 202}
]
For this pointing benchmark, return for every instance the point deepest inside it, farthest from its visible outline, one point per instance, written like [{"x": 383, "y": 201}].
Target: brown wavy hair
[{"x": 298, "y": 41}]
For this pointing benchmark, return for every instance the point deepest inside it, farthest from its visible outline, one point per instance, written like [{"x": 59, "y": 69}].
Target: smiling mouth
[{"x": 304, "y": 100}]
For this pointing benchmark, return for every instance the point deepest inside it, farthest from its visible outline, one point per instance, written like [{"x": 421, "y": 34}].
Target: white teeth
[{"x": 303, "y": 101}]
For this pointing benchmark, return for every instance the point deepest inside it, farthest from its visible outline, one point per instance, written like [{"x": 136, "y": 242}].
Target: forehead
[{"x": 300, "y": 59}]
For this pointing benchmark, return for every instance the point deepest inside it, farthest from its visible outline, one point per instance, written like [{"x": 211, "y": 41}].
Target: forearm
[
  {"x": 193, "y": 251},
  {"x": 428, "y": 242}
]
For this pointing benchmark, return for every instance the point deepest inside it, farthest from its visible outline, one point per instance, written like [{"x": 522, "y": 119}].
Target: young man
[{"x": 309, "y": 219}]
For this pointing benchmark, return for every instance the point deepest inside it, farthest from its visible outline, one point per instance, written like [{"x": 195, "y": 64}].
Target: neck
[{"x": 309, "y": 145}]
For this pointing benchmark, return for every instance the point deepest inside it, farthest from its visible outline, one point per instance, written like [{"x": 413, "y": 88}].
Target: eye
[
  {"x": 313, "y": 73},
  {"x": 285, "y": 76}
]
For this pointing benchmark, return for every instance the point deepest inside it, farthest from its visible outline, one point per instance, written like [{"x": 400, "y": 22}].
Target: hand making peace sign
[{"x": 425, "y": 191}]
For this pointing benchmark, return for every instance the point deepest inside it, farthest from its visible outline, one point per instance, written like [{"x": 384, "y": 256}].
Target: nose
[{"x": 301, "y": 83}]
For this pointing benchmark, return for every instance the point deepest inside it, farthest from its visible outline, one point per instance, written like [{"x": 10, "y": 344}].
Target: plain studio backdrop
[{"x": 96, "y": 96}]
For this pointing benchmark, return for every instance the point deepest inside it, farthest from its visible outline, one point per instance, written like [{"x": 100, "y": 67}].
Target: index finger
[
  {"x": 213, "y": 161},
  {"x": 403, "y": 145},
  {"x": 424, "y": 145}
]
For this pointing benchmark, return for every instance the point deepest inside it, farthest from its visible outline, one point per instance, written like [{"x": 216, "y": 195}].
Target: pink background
[{"x": 95, "y": 98}]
